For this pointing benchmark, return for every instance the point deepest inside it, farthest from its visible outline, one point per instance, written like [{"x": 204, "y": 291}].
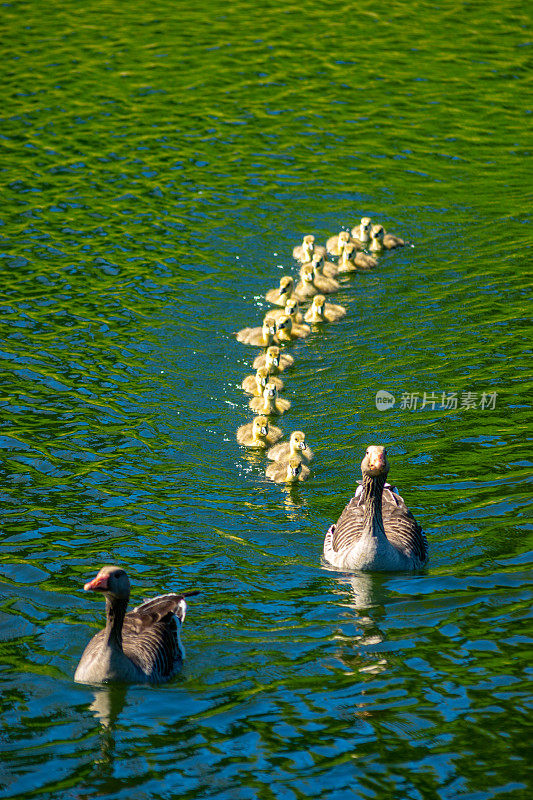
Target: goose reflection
[
  {"x": 367, "y": 597},
  {"x": 109, "y": 700}
]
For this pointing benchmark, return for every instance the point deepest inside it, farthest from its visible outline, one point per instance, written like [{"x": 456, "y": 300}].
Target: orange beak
[{"x": 98, "y": 583}]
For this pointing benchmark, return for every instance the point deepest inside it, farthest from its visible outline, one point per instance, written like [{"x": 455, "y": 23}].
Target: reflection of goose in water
[{"x": 107, "y": 705}]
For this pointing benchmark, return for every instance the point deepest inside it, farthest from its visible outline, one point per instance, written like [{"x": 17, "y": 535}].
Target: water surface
[{"x": 160, "y": 162}]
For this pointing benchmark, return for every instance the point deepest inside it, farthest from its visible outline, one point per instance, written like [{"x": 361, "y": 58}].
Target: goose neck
[
  {"x": 372, "y": 498},
  {"x": 115, "y": 613}
]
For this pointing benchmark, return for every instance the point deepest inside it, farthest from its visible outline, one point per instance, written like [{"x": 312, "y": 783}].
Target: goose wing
[
  {"x": 402, "y": 529},
  {"x": 150, "y": 635}
]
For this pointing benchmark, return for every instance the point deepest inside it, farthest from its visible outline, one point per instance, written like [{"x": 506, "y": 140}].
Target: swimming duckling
[
  {"x": 296, "y": 446},
  {"x": 352, "y": 259},
  {"x": 274, "y": 360},
  {"x": 336, "y": 244},
  {"x": 262, "y": 337},
  {"x": 292, "y": 310},
  {"x": 254, "y": 384},
  {"x": 289, "y": 471},
  {"x": 305, "y": 288},
  {"x": 383, "y": 241},
  {"x": 322, "y": 282},
  {"x": 287, "y": 331},
  {"x": 270, "y": 403},
  {"x": 280, "y": 296},
  {"x": 327, "y": 268},
  {"x": 361, "y": 232},
  {"x": 304, "y": 252},
  {"x": 320, "y": 311},
  {"x": 258, "y": 433}
]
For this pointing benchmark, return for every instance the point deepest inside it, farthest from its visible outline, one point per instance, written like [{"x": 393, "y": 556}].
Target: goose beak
[
  {"x": 303, "y": 445},
  {"x": 264, "y": 431},
  {"x": 98, "y": 584}
]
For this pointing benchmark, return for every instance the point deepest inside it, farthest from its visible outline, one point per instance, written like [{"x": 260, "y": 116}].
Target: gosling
[
  {"x": 352, "y": 260},
  {"x": 304, "y": 252},
  {"x": 361, "y": 232},
  {"x": 320, "y": 311},
  {"x": 287, "y": 331},
  {"x": 255, "y": 384},
  {"x": 292, "y": 310},
  {"x": 280, "y": 296},
  {"x": 383, "y": 241},
  {"x": 261, "y": 337},
  {"x": 322, "y": 282},
  {"x": 305, "y": 288},
  {"x": 290, "y": 471},
  {"x": 274, "y": 360},
  {"x": 336, "y": 244},
  {"x": 269, "y": 403},
  {"x": 258, "y": 433},
  {"x": 296, "y": 446}
]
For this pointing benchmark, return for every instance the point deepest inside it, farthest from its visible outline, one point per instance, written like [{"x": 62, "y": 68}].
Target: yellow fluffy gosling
[
  {"x": 361, "y": 232},
  {"x": 280, "y": 295},
  {"x": 320, "y": 311},
  {"x": 379, "y": 240},
  {"x": 274, "y": 360},
  {"x": 269, "y": 403},
  {"x": 259, "y": 337},
  {"x": 287, "y": 331},
  {"x": 292, "y": 310},
  {"x": 296, "y": 446},
  {"x": 254, "y": 384},
  {"x": 352, "y": 260},
  {"x": 258, "y": 433},
  {"x": 290, "y": 471},
  {"x": 304, "y": 252}
]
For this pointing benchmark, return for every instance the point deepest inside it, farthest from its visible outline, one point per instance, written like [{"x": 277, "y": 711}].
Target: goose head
[
  {"x": 270, "y": 392},
  {"x": 377, "y": 232},
  {"x": 308, "y": 275},
  {"x": 297, "y": 441},
  {"x": 111, "y": 581},
  {"x": 286, "y": 285},
  {"x": 308, "y": 245},
  {"x": 291, "y": 307},
  {"x": 272, "y": 357},
  {"x": 375, "y": 463},
  {"x": 261, "y": 376},
  {"x": 284, "y": 326},
  {"x": 319, "y": 301},
  {"x": 318, "y": 263},
  {"x": 268, "y": 328},
  {"x": 364, "y": 229},
  {"x": 260, "y": 427},
  {"x": 294, "y": 467}
]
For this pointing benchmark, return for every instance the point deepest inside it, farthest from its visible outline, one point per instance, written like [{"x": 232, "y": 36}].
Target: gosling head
[
  {"x": 260, "y": 427},
  {"x": 269, "y": 326},
  {"x": 365, "y": 225},
  {"x": 284, "y": 324},
  {"x": 294, "y": 467},
  {"x": 375, "y": 463},
  {"x": 377, "y": 232},
  {"x": 272, "y": 357},
  {"x": 308, "y": 275},
  {"x": 261, "y": 376},
  {"x": 319, "y": 302},
  {"x": 308, "y": 245},
  {"x": 297, "y": 440},
  {"x": 270, "y": 392},
  {"x": 285, "y": 285},
  {"x": 111, "y": 581},
  {"x": 318, "y": 263},
  {"x": 291, "y": 307}
]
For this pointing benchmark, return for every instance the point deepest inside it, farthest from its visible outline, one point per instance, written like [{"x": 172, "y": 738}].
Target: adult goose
[
  {"x": 140, "y": 646},
  {"x": 376, "y": 530}
]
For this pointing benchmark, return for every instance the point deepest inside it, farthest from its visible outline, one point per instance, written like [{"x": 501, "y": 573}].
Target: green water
[{"x": 159, "y": 162}]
